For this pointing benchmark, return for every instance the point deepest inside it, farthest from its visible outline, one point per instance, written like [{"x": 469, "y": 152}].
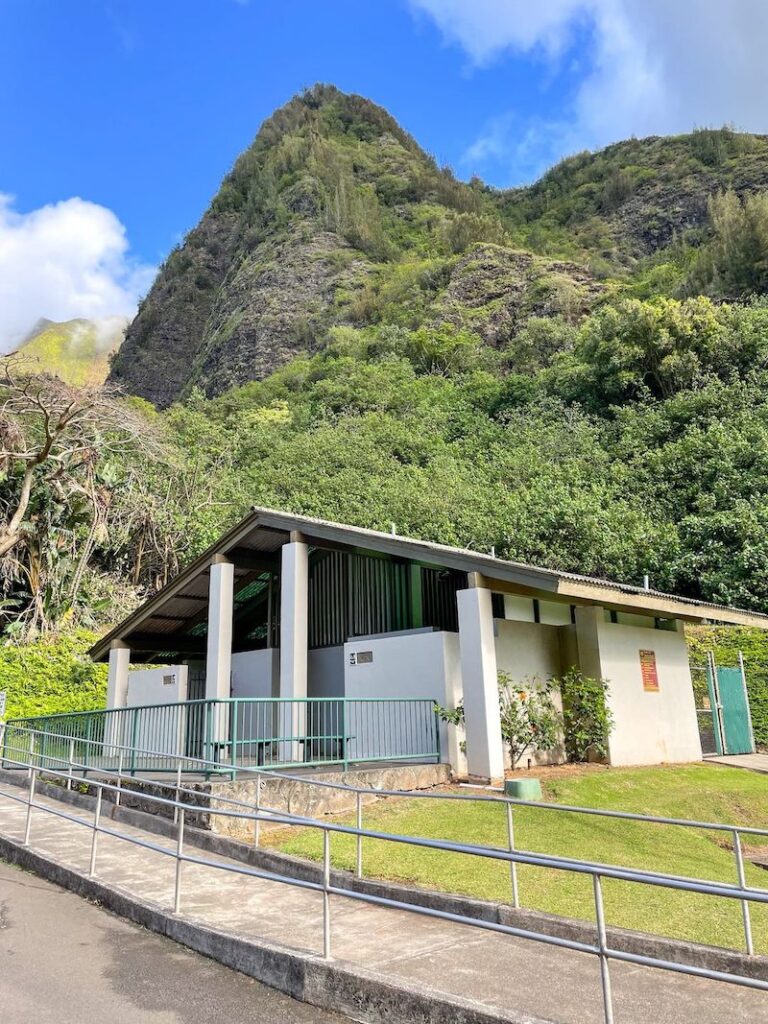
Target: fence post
[
  {"x": 31, "y": 754},
  {"x": 605, "y": 978},
  {"x": 746, "y": 700},
  {"x": 326, "y": 894},
  {"x": 359, "y": 864},
  {"x": 717, "y": 710},
  {"x": 737, "y": 852},
  {"x": 207, "y": 749},
  {"x": 134, "y": 739},
  {"x": 436, "y": 715},
  {"x": 179, "y": 853},
  {"x": 257, "y": 808},
  {"x": 71, "y": 763},
  {"x": 344, "y": 733},
  {"x": 95, "y": 836},
  {"x": 2, "y": 743},
  {"x": 512, "y": 863},
  {"x": 30, "y": 799},
  {"x": 178, "y": 793},
  {"x": 87, "y": 745},
  {"x": 119, "y": 792},
  {"x": 233, "y": 735}
]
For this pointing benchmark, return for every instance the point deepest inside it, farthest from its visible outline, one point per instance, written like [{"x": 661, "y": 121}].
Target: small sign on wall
[
  {"x": 649, "y": 672},
  {"x": 361, "y": 657}
]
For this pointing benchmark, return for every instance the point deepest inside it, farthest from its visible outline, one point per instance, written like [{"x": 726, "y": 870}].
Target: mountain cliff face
[
  {"x": 77, "y": 351},
  {"x": 336, "y": 216}
]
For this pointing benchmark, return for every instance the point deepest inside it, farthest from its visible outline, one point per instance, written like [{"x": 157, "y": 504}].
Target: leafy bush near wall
[
  {"x": 726, "y": 642},
  {"x": 51, "y": 674},
  {"x": 587, "y": 719}
]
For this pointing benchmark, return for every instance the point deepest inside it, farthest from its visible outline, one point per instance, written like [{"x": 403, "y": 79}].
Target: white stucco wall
[
  {"x": 160, "y": 731},
  {"x": 157, "y": 685},
  {"x": 527, "y": 650},
  {"x": 650, "y": 727},
  {"x": 530, "y": 652},
  {"x": 255, "y": 673},
  {"x": 417, "y": 664},
  {"x": 326, "y": 672}
]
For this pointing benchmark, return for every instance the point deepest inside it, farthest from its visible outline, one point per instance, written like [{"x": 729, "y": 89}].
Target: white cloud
[
  {"x": 68, "y": 259},
  {"x": 647, "y": 67}
]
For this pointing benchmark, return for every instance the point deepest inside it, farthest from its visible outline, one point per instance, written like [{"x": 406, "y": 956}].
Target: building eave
[{"x": 489, "y": 571}]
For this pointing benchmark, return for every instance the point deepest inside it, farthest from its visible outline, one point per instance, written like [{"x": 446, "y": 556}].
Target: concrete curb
[
  {"x": 330, "y": 985},
  {"x": 626, "y": 940}
]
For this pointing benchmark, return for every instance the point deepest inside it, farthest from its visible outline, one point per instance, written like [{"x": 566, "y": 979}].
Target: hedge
[
  {"x": 726, "y": 642},
  {"x": 51, "y": 674}
]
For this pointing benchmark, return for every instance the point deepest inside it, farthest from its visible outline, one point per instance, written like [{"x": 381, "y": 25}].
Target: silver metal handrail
[
  {"x": 735, "y": 831},
  {"x": 601, "y": 949}
]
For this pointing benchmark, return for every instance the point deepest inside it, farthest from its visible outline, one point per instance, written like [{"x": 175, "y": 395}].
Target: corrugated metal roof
[{"x": 180, "y": 606}]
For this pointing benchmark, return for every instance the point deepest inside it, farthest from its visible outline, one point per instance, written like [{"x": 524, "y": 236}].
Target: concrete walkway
[
  {"x": 523, "y": 979},
  {"x": 754, "y": 762},
  {"x": 114, "y": 970}
]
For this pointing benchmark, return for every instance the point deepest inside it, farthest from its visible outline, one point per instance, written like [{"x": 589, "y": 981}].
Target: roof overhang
[{"x": 253, "y": 545}]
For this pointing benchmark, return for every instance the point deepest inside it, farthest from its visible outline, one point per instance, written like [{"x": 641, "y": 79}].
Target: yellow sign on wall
[{"x": 648, "y": 671}]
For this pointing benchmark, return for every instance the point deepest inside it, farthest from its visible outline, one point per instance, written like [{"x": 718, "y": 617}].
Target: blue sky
[{"x": 118, "y": 118}]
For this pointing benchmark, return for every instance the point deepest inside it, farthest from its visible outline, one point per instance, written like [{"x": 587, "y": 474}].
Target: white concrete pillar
[
  {"x": 294, "y": 619},
  {"x": 117, "y": 679},
  {"x": 218, "y": 660},
  {"x": 294, "y": 640},
  {"x": 485, "y": 747},
  {"x": 117, "y": 695},
  {"x": 588, "y": 621}
]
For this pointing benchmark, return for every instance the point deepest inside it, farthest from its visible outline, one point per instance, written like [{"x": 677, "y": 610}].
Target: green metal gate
[{"x": 731, "y": 721}]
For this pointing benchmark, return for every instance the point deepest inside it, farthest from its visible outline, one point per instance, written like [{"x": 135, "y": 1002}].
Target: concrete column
[
  {"x": 117, "y": 693},
  {"x": 294, "y": 619},
  {"x": 485, "y": 747},
  {"x": 294, "y": 641},
  {"x": 588, "y": 620},
  {"x": 117, "y": 679},
  {"x": 218, "y": 661}
]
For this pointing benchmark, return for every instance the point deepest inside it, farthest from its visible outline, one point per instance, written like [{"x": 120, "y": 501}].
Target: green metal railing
[{"x": 239, "y": 732}]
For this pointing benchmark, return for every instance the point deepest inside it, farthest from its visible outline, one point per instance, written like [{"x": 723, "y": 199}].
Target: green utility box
[{"x": 523, "y": 789}]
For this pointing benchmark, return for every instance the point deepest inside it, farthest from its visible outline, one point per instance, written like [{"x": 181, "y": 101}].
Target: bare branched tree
[{"x": 54, "y": 437}]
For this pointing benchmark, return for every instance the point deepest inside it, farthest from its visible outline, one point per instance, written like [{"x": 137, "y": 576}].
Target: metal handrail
[
  {"x": 510, "y": 802},
  {"x": 734, "y": 830},
  {"x": 276, "y": 816},
  {"x": 601, "y": 949},
  {"x": 269, "y": 728}
]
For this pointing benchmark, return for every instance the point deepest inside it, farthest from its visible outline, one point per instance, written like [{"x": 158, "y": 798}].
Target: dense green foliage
[
  {"x": 51, "y": 674},
  {"x": 726, "y": 642},
  {"x": 587, "y": 719},
  {"x": 425, "y": 355}
]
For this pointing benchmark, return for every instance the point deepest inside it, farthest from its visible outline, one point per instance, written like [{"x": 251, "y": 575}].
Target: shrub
[
  {"x": 529, "y": 718},
  {"x": 587, "y": 719},
  {"x": 51, "y": 674}
]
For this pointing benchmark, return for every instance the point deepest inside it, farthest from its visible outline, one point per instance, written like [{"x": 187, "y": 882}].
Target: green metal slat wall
[{"x": 354, "y": 594}]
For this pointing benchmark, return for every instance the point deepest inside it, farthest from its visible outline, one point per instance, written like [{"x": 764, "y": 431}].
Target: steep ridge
[{"x": 336, "y": 216}]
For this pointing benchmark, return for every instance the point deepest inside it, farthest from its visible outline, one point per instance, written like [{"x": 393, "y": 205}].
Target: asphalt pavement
[{"x": 65, "y": 961}]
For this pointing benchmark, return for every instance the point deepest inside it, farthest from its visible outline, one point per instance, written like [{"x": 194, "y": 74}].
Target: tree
[
  {"x": 56, "y": 444},
  {"x": 735, "y": 262}
]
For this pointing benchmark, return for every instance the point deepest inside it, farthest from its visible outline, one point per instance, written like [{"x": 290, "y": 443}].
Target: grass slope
[{"x": 702, "y": 792}]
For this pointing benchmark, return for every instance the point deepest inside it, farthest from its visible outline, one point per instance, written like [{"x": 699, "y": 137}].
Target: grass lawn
[{"x": 698, "y": 791}]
